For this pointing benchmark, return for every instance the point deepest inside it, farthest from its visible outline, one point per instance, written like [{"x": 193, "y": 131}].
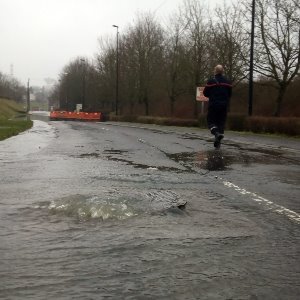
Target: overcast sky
[{"x": 39, "y": 37}]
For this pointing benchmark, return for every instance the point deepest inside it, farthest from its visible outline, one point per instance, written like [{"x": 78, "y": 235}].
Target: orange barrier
[{"x": 69, "y": 115}]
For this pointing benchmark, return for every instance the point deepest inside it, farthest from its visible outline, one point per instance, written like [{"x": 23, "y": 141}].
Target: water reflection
[
  {"x": 220, "y": 160},
  {"x": 212, "y": 160}
]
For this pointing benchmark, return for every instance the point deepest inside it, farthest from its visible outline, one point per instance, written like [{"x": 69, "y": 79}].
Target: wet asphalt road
[{"x": 89, "y": 211}]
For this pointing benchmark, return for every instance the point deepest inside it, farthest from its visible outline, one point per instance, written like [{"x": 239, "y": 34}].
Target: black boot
[
  {"x": 218, "y": 138},
  {"x": 214, "y": 130}
]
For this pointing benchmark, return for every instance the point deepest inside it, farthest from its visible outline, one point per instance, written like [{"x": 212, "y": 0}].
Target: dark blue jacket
[{"x": 218, "y": 90}]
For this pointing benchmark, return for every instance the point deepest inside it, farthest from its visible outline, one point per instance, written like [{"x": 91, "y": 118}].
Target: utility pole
[
  {"x": 250, "y": 100},
  {"x": 28, "y": 96}
]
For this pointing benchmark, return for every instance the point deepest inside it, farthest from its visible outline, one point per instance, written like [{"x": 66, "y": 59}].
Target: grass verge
[
  {"x": 10, "y": 128},
  {"x": 10, "y": 122}
]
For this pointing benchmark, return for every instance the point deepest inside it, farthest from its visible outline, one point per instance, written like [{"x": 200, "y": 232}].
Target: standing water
[{"x": 92, "y": 211}]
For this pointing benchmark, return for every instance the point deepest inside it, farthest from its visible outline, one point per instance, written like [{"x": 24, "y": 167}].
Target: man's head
[{"x": 219, "y": 69}]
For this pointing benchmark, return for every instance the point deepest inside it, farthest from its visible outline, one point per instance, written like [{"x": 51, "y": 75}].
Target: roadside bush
[
  {"x": 122, "y": 118},
  {"x": 289, "y": 126},
  {"x": 149, "y": 120},
  {"x": 202, "y": 121},
  {"x": 155, "y": 120},
  {"x": 169, "y": 121},
  {"x": 236, "y": 122}
]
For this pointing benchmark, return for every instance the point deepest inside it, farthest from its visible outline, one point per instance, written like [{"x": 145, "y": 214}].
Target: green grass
[
  {"x": 9, "y": 128},
  {"x": 10, "y": 122},
  {"x": 10, "y": 109}
]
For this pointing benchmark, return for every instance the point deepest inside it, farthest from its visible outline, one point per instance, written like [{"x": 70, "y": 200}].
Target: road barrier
[{"x": 80, "y": 116}]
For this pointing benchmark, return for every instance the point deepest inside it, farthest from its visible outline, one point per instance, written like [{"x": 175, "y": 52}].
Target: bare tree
[
  {"x": 129, "y": 72},
  {"x": 77, "y": 84},
  {"x": 159, "y": 65},
  {"x": 105, "y": 66},
  {"x": 143, "y": 52},
  {"x": 71, "y": 85},
  {"x": 176, "y": 59},
  {"x": 278, "y": 43},
  {"x": 196, "y": 43},
  {"x": 53, "y": 98},
  {"x": 11, "y": 88},
  {"x": 228, "y": 41}
]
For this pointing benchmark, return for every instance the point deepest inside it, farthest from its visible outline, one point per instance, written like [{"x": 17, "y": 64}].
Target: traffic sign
[{"x": 199, "y": 94}]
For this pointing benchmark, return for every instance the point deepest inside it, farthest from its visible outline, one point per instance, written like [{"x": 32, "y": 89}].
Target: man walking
[{"x": 218, "y": 90}]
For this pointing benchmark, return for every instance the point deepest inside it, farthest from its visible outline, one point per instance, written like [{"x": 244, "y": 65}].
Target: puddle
[
  {"x": 191, "y": 137},
  {"x": 211, "y": 160},
  {"x": 219, "y": 160},
  {"x": 94, "y": 154},
  {"x": 114, "y": 155},
  {"x": 264, "y": 151},
  {"x": 208, "y": 160},
  {"x": 143, "y": 166},
  {"x": 114, "y": 151}
]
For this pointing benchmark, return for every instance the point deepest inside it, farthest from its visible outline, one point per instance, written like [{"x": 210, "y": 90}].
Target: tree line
[
  {"x": 160, "y": 65},
  {"x": 11, "y": 88}
]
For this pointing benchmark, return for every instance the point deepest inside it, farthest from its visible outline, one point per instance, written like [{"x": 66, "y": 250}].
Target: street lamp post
[
  {"x": 251, "y": 62},
  {"x": 117, "y": 70},
  {"x": 83, "y": 84},
  {"x": 28, "y": 96}
]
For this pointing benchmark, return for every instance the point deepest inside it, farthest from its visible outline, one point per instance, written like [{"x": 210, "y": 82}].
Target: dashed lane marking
[{"x": 279, "y": 209}]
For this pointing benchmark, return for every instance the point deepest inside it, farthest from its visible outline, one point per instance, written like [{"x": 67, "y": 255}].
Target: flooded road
[{"x": 125, "y": 211}]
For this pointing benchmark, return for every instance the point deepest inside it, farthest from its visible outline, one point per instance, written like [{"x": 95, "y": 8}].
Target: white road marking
[
  {"x": 292, "y": 215},
  {"x": 260, "y": 200}
]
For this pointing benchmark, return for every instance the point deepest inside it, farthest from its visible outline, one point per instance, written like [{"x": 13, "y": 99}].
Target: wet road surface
[{"x": 90, "y": 211}]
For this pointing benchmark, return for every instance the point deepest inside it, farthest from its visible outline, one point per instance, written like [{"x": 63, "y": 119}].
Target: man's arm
[{"x": 206, "y": 90}]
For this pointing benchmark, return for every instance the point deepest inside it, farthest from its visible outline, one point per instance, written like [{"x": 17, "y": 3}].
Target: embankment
[{"x": 12, "y": 119}]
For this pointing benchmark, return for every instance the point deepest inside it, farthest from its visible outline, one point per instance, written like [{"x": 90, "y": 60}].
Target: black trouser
[{"x": 216, "y": 119}]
